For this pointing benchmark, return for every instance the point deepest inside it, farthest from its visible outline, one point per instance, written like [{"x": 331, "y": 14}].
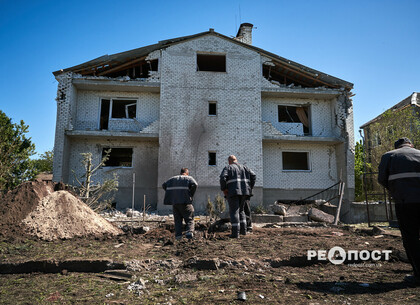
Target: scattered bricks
[{"x": 320, "y": 216}]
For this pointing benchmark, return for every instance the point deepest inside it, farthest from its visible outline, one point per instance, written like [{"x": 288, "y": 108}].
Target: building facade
[
  {"x": 380, "y": 133},
  {"x": 194, "y": 100}
]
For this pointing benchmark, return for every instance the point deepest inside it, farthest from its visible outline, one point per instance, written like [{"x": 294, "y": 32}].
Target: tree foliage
[
  {"x": 360, "y": 166},
  {"x": 15, "y": 152},
  {"x": 392, "y": 125},
  {"x": 45, "y": 162}
]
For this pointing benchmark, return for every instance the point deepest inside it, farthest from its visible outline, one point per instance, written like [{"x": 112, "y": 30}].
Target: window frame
[
  {"x": 198, "y": 54},
  {"x": 308, "y": 159},
  {"x": 305, "y": 106},
  {"x": 104, "y": 148}
]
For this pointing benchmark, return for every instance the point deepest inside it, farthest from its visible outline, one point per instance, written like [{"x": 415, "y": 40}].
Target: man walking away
[
  {"x": 399, "y": 172},
  {"x": 179, "y": 192},
  {"x": 237, "y": 182}
]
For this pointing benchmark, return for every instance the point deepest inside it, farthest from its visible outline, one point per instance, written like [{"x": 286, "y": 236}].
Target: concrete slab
[
  {"x": 266, "y": 218},
  {"x": 296, "y": 218}
]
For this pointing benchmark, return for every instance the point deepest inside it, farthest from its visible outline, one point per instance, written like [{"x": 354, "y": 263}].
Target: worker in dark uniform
[
  {"x": 179, "y": 192},
  {"x": 399, "y": 172},
  {"x": 236, "y": 182}
]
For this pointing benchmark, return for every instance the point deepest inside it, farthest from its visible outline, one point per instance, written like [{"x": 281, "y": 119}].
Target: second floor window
[
  {"x": 117, "y": 109},
  {"x": 295, "y": 114}
]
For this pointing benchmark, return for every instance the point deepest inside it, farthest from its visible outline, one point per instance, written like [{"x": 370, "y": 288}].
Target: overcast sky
[{"x": 373, "y": 44}]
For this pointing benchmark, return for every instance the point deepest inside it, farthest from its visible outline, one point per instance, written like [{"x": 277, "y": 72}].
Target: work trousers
[
  {"x": 237, "y": 214},
  {"x": 183, "y": 212},
  {"x": 408, "y": 216},
  {"x": 247, "y": 210}
]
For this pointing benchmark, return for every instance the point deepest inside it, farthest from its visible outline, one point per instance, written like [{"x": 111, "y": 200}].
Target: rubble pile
[{"x": 34, "y": 208}]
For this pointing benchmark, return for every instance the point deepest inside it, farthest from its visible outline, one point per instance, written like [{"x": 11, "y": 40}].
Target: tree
[
  {"x": 97, "y": 196},
  {"x": 15, "y": 152},
  {"x": 45, "y": 162},
  {"x": 359, "y": 168},
  {"x": 392, "y": 125}
]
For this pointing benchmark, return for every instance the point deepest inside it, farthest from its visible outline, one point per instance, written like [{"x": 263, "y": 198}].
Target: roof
[
  {"x": 108, "y": 61},
  {"x": 412, "y": 99}
]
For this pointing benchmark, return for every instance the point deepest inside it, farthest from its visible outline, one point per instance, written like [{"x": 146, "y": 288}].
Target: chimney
[{"x": 245, "y": 33}]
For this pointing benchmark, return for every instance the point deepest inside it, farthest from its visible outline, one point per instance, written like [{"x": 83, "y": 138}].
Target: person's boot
[{"x": 235, "y": 232}]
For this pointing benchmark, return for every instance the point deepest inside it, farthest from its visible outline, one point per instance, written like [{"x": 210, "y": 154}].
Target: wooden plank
[{"x": 122, "y": 66}]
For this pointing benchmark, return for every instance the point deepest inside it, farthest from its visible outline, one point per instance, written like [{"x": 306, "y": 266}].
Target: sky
[{"x": 374, "y": 44}]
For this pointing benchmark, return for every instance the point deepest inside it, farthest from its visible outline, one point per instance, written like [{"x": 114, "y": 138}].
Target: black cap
[{"x": 401, "y": 141}]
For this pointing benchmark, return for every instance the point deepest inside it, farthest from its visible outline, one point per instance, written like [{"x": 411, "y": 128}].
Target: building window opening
[
  {"x": 124, "y": 109},
  {"x": 293, "y": 114},
  {"x": 212, "y": 158},
  {"x": 119, "y": 157},
  {"x": 295, "y": 161},
  {"x": 212, "y": 108},
  {"x": 104, "y": 121},
  {"x": 214, "y": 63}
]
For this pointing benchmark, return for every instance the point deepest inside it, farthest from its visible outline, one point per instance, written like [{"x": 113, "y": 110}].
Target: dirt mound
[
  {"x": 35, "y": 209},
  {"x": 15, "y": 205}
]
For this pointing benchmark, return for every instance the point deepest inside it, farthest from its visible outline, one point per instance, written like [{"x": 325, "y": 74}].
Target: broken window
[
  {"x": 124, "y": 109},
  {"x": 212, "y": 108},
  {"x": 212, "y": 158},
  {"x": 215, "y": 63},
  {"x": 294, "y": 114},
  {"x": 295, "y": 161},
  {"x": 121, "y": 157}
]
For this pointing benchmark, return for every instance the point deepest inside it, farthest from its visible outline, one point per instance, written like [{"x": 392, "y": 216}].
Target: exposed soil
[
  {"x": 270, "y": 266},
  {"x": 54, "y": 251},
  {"x": 35, "y": 209}
]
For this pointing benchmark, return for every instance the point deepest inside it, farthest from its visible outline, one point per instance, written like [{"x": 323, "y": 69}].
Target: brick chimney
[{"x": 245, "y": 33}]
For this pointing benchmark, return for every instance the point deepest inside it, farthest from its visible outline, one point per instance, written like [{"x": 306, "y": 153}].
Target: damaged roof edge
[{"x": 135, "y": 53}]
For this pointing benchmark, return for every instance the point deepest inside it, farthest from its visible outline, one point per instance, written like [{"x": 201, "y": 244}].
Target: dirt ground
[{"x": 270, "y": 266}]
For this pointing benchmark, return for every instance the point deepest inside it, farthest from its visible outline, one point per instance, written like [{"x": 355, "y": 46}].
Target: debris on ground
[{"x": 35, "y": 209}]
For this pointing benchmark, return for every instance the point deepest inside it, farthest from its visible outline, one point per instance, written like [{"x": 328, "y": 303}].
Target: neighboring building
[
  {"x": 380, "y": 133},
  {"x": 194, "y": 100}
]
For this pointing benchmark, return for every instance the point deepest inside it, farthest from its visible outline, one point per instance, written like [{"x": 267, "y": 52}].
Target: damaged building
[{"x": 191, "y": 102}]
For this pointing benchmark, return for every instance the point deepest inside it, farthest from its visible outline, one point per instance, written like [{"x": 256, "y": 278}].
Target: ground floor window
[
  {"x": 295, "y": 160},
  {"x": 120, "y": 157}
]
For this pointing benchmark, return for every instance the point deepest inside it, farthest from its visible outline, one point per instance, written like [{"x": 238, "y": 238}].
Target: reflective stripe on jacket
[
  {"x": 179, "y": 189},
  {"x": 399, "y": 172},
  {"x": 237, "y": 179}
]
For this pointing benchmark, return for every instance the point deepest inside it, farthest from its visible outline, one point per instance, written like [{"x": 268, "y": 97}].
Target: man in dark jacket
[
  {"x": 399, "y": 172},
  {"x": 237, "y": 182},
  {"x": 179, "y": 192}
]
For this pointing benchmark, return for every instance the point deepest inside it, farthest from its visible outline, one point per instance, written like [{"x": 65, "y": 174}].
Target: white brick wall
[
  {"x": 321, "y": 114},
  {"x": 323, "y": 167},
  {"x": 89, "y": 107}
]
